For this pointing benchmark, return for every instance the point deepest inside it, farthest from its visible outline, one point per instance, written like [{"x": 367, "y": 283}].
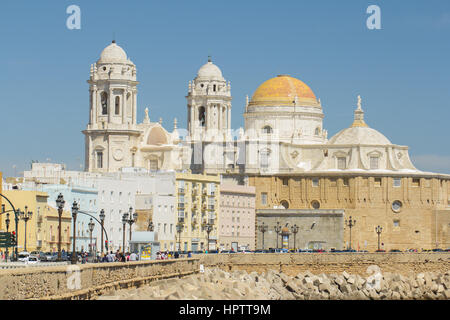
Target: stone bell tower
[
  {"x": 209, "y": 104},
  {"x": 111, "y": 134}
]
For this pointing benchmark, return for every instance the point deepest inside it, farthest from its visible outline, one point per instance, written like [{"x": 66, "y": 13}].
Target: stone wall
[
  {"x": 88, "y": 280},
  {"x": 317, "y": 263}
]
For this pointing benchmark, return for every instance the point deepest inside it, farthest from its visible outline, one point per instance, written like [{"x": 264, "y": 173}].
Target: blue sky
[{"x": 401, "y": 72}]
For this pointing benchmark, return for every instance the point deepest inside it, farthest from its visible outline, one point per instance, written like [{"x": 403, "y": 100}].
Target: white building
[{"x": 283, "y": 131}]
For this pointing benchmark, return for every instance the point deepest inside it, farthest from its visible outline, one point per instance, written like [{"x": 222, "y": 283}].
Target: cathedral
[{"x": 283, "y": 150}]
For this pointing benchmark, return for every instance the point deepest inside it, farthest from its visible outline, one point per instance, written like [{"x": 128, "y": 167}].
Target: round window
[
  {"x": 285, "y": 204},
  {"x": 315, "y": 204},
  {"x": 396, "y": 206}
]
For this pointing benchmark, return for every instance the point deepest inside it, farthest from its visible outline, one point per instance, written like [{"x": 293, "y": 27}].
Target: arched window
[
  {"x": 99, "y": 159},
  {"x": 104, "y": 102},
  {"x": 117, "y": 108},
  {"x": 317, "y": 131},
  {"x": 202, "y": 116},
  {"x": 285, "y": 204},
  {"x": 267, "y": 129}
]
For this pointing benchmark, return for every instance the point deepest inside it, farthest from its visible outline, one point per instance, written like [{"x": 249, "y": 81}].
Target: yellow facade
[
  {"x": 42, "y": 228},
  {"x": 413, "y": 211},
  {"x": 198, "y": 205}
]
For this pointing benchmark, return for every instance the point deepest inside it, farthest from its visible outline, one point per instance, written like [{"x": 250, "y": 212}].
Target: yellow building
[
  {"x": 42, "y": 228},
  {"x": 413, "y": 210},
  {"x": 197, "y": 208}
]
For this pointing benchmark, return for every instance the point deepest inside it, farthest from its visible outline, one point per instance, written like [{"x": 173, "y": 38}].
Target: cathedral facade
[{"x": 283, "y": 150}]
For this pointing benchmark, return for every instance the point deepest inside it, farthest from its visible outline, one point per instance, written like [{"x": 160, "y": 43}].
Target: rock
[
  {"x": 345, "y": 275},
  {"x": 446, "y": 294}
]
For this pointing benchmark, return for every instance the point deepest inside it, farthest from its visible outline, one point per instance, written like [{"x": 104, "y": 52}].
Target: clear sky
[{"x": 401, "y": 71}]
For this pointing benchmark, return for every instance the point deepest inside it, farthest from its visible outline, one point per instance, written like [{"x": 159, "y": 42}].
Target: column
[
  {"x": 134, "y": 106},
  {"x": 94, "y": 106},
  {"x": 229, "y": 117},
  {"x": 110, "y": 104},
  {"x": 192, "y": 122},
  {"x": 219, "y": 117},
  {"x": 124, "y": 106}
]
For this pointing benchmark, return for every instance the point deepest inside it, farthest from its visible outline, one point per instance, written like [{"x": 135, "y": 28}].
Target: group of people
[
  {"x": 119, "y": 257},
  {"x": 163, "y": 255}
]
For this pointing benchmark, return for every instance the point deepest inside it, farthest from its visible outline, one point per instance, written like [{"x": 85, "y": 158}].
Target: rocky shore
[{"x": 216, "y": 284}]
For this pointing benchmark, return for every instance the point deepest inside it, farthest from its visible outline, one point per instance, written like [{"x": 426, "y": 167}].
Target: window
[
  {"x": 285, "y": 181},
  {"x": 264, "y": 198},
  {"x": 377, "y": 182},
  {"x": 416, "y": 182},
  {"x": 267, "y": 130},
  {"x": 315, "y": 182},
  {"x": 99, "y": 159},
  {"x": 374, "y": 163},
  {"x": 341, "y": 163},
  {"x": 333, "y": 182},
  {"x": 345, "y": 182},
  {"x": 317, "y": 131},
  {"x": 396, "y": 223},
  {"x": 117, "y": 106},
  {"x": 285, "y": 204},
  {"x": 104, "y": 102},
  {"x": 315, "y": 204},
  {"x": 202, "y": 116},
  {"x": 153, "y": 164},
  {"x": 397, "y": 182},
  {"x": 264, "y": 158},
  {"x": 397, "y": 206}
]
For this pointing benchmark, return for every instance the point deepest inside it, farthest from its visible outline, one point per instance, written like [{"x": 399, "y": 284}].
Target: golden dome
[{"x": 283, "y": 90}]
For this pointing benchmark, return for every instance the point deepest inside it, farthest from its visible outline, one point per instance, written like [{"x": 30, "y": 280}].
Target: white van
[{"x": 23, "y": 256}]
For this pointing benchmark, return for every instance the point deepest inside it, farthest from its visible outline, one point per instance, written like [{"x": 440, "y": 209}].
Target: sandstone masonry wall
[
  {"x": 88, "y": 280},
  {"x": 317, "y": 263}
]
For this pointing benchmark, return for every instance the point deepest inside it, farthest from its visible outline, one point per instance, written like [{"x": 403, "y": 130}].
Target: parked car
[
  {"x": 50, "y": 257},
  {"x": 23, "y": 256},
  {"x": 381, "y": 250},
  {"x": 395, "y": 250},
  {"x": 438, "y": 250},
  {"x": 32, "y": 260},
  {"x": 39, "y": 254}
]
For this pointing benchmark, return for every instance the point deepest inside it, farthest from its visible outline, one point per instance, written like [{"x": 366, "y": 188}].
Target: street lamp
[
  {"x": 294, "y": 230},
  {"x": 378, "y": 230},
  {"x": 124, "y": 223},
  {"x": 209, "y": 228},
  {"x": 7, "y": 221},
  {"x": 350, "y": 223},
  {"x": 75, "y": 208},
  {"x": 133, "y": 219},
  {"x": 60, "y": 205},
  {"x": 263, "y": 228},
  {"x": 180, "y": 227},
  {"x": 25, "y": 216},
  {"x": 277, "y": 230},
  {"x": 91, "y": 226},
  {"x": 102, "y": 221}
]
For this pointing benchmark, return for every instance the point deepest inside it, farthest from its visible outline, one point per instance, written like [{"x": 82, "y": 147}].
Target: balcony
[
  {"x": 181, "y": 190},
  {"x": 211, "y": 208},
  {"x": 180, "y": 205}
]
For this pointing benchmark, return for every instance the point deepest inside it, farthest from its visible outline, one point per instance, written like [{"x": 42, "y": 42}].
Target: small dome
[
  {"x": 283, "y": 90},
  {"x": 209, "y": 71},
  {"x": 113, "y": 54},
  {"x": 359, "y": 135},
  {"x": 157, "y": 136}
]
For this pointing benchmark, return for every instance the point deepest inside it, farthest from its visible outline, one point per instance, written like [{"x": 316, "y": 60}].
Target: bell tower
[
  {"x": 209, "y": 104},
  {"x": 112, "y": 131}
]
